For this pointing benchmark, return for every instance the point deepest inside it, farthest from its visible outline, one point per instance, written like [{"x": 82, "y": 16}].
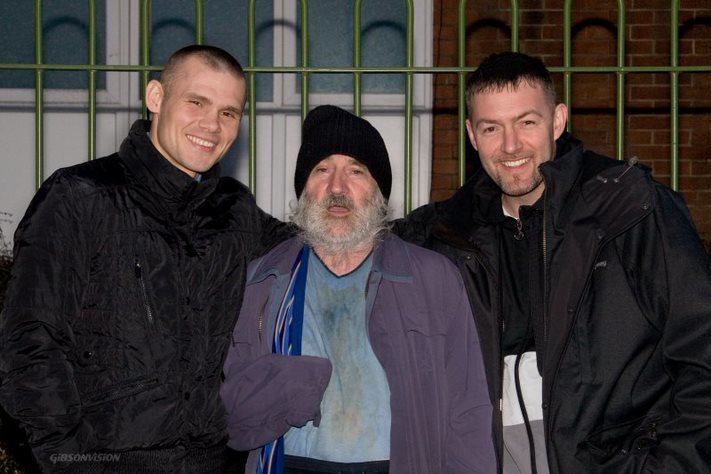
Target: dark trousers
[{"x": 299, "y": 465}]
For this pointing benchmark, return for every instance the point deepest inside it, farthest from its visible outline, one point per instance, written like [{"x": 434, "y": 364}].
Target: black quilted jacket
[{"x": 127, "y": 281}]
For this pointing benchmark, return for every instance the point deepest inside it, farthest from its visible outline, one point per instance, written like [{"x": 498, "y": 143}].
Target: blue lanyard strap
[{"x": 287, "y": 341}]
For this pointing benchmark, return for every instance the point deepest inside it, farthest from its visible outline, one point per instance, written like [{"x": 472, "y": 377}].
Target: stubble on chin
[{"x": 516, "y": 186}]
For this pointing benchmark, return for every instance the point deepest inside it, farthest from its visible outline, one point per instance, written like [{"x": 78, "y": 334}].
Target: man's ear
[
  {"x": 560, "y": 119},
  {"x": 154, "y": 96},
  {"x": 470, "y": 132}
]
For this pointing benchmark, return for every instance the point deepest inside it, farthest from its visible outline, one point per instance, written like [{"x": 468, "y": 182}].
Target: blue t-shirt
[{"x": 355, "y": 410}]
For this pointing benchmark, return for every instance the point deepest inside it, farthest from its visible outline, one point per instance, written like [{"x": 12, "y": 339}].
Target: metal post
[
  {"x": 674, "y": 27},
  {"x": 252, "y": 61},
  {"x": 515, "y": 22},
  {"x": 39, "y": 99},
  {"x": 304, "y": 58},
  {"x": 461, "y": 93},
  {"x": 92, "y": 79},
  {"x": 357, "y": 57},
  {"x": 621, "y": 38},
  {"x": 145, "y": 51},
  {"x": 408, "y": 106},
  {"x": 199, "y": 22},
  {"x": 568, "y": 61}
]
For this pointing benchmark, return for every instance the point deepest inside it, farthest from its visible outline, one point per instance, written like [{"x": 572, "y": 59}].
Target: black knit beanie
[{"x": 330, "y": 130}]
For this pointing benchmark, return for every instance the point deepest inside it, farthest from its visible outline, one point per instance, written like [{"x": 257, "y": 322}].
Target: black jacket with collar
[
  {"x": 127, "y": 280},
  {"x": 625, "y": 356}
]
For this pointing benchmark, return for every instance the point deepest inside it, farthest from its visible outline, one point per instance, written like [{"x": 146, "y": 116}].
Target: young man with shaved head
[{"x": 127, "y": 277}]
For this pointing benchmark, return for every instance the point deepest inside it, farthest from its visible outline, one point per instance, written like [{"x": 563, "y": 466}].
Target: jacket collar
[
  {"x": 477, "y": 204},
  {"x": 390, "y": 258},
  {"x": 594, "y": 190},
  {"x": 155, "y": 176},
  {"x": 561, "y": 175}
]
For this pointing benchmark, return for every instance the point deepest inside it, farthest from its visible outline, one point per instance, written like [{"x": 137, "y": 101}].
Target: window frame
[{"x": 116, "y": 93}]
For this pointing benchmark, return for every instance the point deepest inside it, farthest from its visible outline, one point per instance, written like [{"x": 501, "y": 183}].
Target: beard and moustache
[{"x": 336, "y": 235}]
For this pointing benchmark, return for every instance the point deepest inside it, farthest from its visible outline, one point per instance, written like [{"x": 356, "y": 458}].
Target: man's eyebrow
[
  {"x": 530, "y": 112},
  {"x": 201, "y": 98},
  {"x": 518, "y": 117},
  {"x": 353, "y": 161},
  {"x": 230, "y": 108},
  {"x": 233, "y": 109},
  {"x": 485, "y": 120}
]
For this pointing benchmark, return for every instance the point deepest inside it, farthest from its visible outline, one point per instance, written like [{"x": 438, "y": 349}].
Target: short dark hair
[
  {"x": 215, "y": 58},
  {"x": 508, "y": 69}
]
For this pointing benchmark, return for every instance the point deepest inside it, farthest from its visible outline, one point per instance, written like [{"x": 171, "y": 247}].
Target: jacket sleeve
[
  {"x": 37, "y": 384},
  {"x": 269, "y": 395},
  {"x": 417, "y": 225},
  {"x": 680, "y": 299},
  {"x": 469, "y": 444},
  {"x": 266, "y": 394},
  {"x": 273, "y": 232}
]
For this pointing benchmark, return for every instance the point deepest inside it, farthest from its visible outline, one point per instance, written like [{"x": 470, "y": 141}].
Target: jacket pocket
[
  {"x": 624, "y": 439},
  {"x": 427, "y": 341},
  {"x": 120, "y": 390}
]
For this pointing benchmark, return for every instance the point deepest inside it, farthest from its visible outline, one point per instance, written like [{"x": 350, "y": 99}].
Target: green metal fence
[{"x": 357, "y": 70}]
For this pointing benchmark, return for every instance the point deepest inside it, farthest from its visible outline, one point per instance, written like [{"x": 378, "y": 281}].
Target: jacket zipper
[
  {"x": 142, "y": 283},
  {"x": 260, "y": 325},
  {"x": 519, "y": 235},
  {"x": 260, "y": 321},
  {"x": 544, "y": 245}
]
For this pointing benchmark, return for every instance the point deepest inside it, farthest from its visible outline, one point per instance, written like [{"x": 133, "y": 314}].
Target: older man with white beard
[{"x": 354, "y": 351}]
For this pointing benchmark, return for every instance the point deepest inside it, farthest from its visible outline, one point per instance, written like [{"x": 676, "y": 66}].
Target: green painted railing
[
  {"x": 620, "y": 70},
  {"x": 568, "y": 70},
  {"x": 252, "y": 63},
  {"x": 92, "y": 80},
  {"x": 39, "y": 99},
  {"x": 620, "y": 73}
]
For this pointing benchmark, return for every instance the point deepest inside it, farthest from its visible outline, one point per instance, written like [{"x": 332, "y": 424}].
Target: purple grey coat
[{"x": 422, "y": 331}]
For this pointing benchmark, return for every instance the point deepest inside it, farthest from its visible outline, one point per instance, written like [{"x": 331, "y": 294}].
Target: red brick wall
[{"x": 648, "y": 120}]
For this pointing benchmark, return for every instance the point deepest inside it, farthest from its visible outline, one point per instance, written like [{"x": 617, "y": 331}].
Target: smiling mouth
[
  {"x": 514, "y": 164},
  {"x": 200, "y": 141}
]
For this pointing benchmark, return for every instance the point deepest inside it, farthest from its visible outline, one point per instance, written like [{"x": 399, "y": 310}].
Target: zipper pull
[
  {"x": 519, "y": 235},
  {"x": 630, "y": 164}
]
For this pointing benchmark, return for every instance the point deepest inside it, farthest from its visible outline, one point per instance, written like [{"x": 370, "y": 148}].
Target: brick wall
[{"x": 647, "y": 122}]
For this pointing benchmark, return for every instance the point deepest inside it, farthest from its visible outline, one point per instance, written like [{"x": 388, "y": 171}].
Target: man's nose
[
  {"x": 337, "y": 182},
  {"x": 512, "y": 142},
  {"x": 210, "y": 121}
]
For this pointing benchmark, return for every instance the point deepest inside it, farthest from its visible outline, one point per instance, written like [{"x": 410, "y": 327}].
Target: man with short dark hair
[
  {"x": 127, "y": 278},
  {"x": 354, "y": 351},
  {"x": 589, "y": 285}
]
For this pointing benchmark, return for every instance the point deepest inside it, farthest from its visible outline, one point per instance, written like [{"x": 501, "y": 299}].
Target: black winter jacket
[
  {"x": 127, "y": 281},
  {"x": 626, "y": 350}
]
